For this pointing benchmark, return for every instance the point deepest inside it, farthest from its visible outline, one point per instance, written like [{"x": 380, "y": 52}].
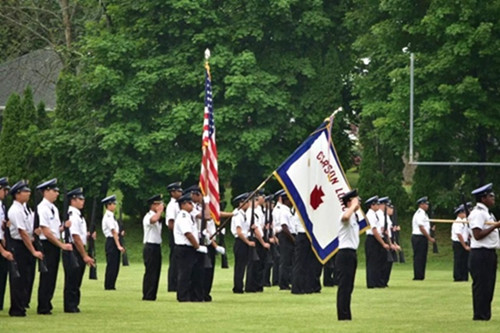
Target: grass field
[{"x": 433, "y": 305}]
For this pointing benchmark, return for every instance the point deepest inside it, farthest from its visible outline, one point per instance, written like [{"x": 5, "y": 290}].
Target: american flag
[{"x": 209, "y": 176}]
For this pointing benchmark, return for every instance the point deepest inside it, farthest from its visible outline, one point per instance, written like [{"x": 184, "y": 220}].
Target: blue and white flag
[{"x": 314, "y": 180}]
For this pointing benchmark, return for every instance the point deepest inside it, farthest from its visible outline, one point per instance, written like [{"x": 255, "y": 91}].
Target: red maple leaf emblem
[{"x": 316, "y": 195}]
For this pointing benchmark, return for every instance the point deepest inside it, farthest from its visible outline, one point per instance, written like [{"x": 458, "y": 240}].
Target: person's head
[
  {"x": 485, "y": 195},
  {"x": 195, "y": 191},
  {"x": 109, "y": 203},
  {"x": 76, "y": 198},
  {"x": 241, "y": 201},
  {"x": 372, "y": 203},
  {"x": 460, "y": 211},
  {"x": 49, "y": 189},
  {"x": 155, "y": 201},
  {"x": 261, "y": 197},
  {"x": 4, "y": 187},
  {"x": 423, "y": 203},
  {"x": 277, "y": 196},
  {"x": 185, "y": 202},
  {"x": 20, "y": 191},
  {"x": 347, "y": 198},
  {"x": 286, "y": 200},
  {"x": 175, "y": 190},
  {"x": 383, "y": 202}
]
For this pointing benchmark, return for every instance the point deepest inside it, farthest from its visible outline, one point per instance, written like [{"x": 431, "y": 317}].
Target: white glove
[
  {"x": 206, "y": 199},
  {"x": 202, "y": 249},
  {"x": 220, "y": 250}
]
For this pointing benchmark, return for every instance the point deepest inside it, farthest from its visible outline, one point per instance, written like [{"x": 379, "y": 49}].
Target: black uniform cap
[
  {"x": 240, "y": 198},
  {"x": 384, "y": 200},
  {"x": 192, "y": 188},
  {"x": 278, "y": 193},
  {"x": 108, "y": 200},
  {"x": 48, "y": 185},
  {"x": 184, "y": 198},
  {"x": 20, "y": 186},
  {"x": 174, "y": 186},
  {"x": 459, "y": 209},
  {"x": 483, "y": 190},
  {"x": 423, "y": 200},
  {"x": 4, "y": 183},
  {"x": 349, "y": 195},
  {"x": 372, "y": 200},
  {"x": 76, "y": 193},
  {"x": 155, "y": 198}
]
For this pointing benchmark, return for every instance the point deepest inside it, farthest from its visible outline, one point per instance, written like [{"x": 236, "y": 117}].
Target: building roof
[{"x": 38, "y": 69}]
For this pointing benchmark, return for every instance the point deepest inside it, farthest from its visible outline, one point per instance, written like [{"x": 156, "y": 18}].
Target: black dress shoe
[
  {"x": 44, "y": 312},
  {"x": 75, "y": 310}
]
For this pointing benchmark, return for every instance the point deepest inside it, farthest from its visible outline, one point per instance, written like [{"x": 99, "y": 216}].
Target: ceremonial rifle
[
  {"x": 385, "y": 236},
  {"x": 253, "y": 250},
  {"x": 268, "y": 231},
  {"x": 396, "y": 235},
  {"x": 121, "y": 238},
  {"x": 14, "y": 270},
  {"x": 432, "y": 233},
  {"x": 42, "y": 265},
  {"x": 91, "y": 241},
  {"x": 203, "y": 226},
  {"x": 67, "y": 234}
]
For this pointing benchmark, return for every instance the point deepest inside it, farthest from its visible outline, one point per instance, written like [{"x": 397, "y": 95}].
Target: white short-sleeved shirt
[
  {"x": 172, "y": 210},
  {"x": 460, "y": 228},
  {"x": 2, "y": 218},
  {"x": 349, "y": 233},
  {"x": 286, "y": 218},
  {"x": 257, "y": 218},
  {"x": 277, "y": 217},
  {"x": 20, "y": 218},
  {"x": 152, "y": 231},
  {"x": 373, "y": 220},
  {"x": 239, "y": 220},
  {"x": 477, "y": 219},
  {"x": 420, "y": 218},
  {"x": 78, "y": 224},
  {"x": 109, "y": 223},
  {"x": 49, "y": 217},
  {"x": 183, "y": 224},
  {"x": 299, "y": 228}
]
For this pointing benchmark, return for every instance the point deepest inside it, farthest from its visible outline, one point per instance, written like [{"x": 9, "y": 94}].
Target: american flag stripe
[{"x": 209, "y": 176}]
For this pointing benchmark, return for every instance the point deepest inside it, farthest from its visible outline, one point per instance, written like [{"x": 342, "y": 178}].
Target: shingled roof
[{"x": 39, "y": 69}]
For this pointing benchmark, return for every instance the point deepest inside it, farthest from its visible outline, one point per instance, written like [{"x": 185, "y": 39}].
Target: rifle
[
  {"x": 42, "y": 265},
  {"x": 268, "y": 230},
  {"x": 14, "y": 270},
  {"x": 432, "y": 233},
  {"x": 203, "y": 225},
  {"x": 396, "y": 236},
  {"x": 67, "y": 235},
  {"x": 91, "y": 248},
  {"x": 253, "y": 251},
  {"x": 385, "y": 236},
  {"x": 120, "y": 237}
]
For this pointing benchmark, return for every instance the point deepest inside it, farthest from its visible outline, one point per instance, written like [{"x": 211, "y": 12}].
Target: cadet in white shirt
[
  {"x": 346, "y": 259},
  {"x": 240, "y": 228},
  {"x": 172, "y": 210},
  {"x": 287, "y": 243},
  {"x": 420, "y": 238},
  {"x": 152, "y": 248},
  {"x": 21, "y": 230},
  {"x": 483, "y": 257},
  {"x": 50, "y": 223},
  {"x": 460, "y": 234},
  {"x": 375, "y": 247},
  {"x": 190, "y": 275},
  {"x": 5, "y": 254},
  {"x": 78, "y": 230},
  {"x": 113, "y": 247}
]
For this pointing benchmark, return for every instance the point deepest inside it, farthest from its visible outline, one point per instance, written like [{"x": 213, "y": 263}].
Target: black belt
[
  {"x": 348, "y": 249},
  {"x": 184, "y": 246},
  {"x": 483, "y": 249},
  {"x": 152, "y": 244}
]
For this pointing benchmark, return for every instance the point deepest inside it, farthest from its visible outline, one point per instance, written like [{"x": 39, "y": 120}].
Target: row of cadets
[
  {"x": 172, "y": 210},
  {"x": 151, "y": 254},
  {"x": 5, "y": 255},
  {"x": 255, "y": 267},
  {"x": 483, "y": 258},
  {"x": 420, "y": 238},
  {"x": 21, "y": 229},
  {"x": 78, "y": 229},
  {"x": 51, "y": 226},
  {"x": 187, "y": 250},
  {"x": 200, "y": 210},
  {"x": 284, "y": 227},
  {"x": 460, "y": 238},
  {"x": 240, "y": 228},
  {"x": 375, "y": 246},
  {"x": 113, "y": 247}
]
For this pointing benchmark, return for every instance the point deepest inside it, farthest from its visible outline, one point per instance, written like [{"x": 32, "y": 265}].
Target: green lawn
[{"x": 433, "y": 305}]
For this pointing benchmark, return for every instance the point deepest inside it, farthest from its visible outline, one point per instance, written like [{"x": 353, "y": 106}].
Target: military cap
[
  {"x": 4, "y": 183},
  {"x": 384, "y": 200},
  {"x": 174, "y": 186},
  {"x": 155, "y": 198},
  {"x": 459, "y": 209},
  {"x": 184, "y": 198},
  {"x": 349, "y": 195},
  {"x": 278, "y": 193},
  {"x": 270, "y": 197},
  {"x": 261, "y": 192},
  {"x": 192, "y": 188},
  {"x": 20, "y": 186},
  {"x": 48, "y": 185},
  {"x": 372, "y": 200},
  {"x": 76, "y": 193},
  {"x": 423, "y": 200},
  {"x": 109, "y": 200},
  {"x": 483, "y": 190},
  {"x": 241, "y": 197}
]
